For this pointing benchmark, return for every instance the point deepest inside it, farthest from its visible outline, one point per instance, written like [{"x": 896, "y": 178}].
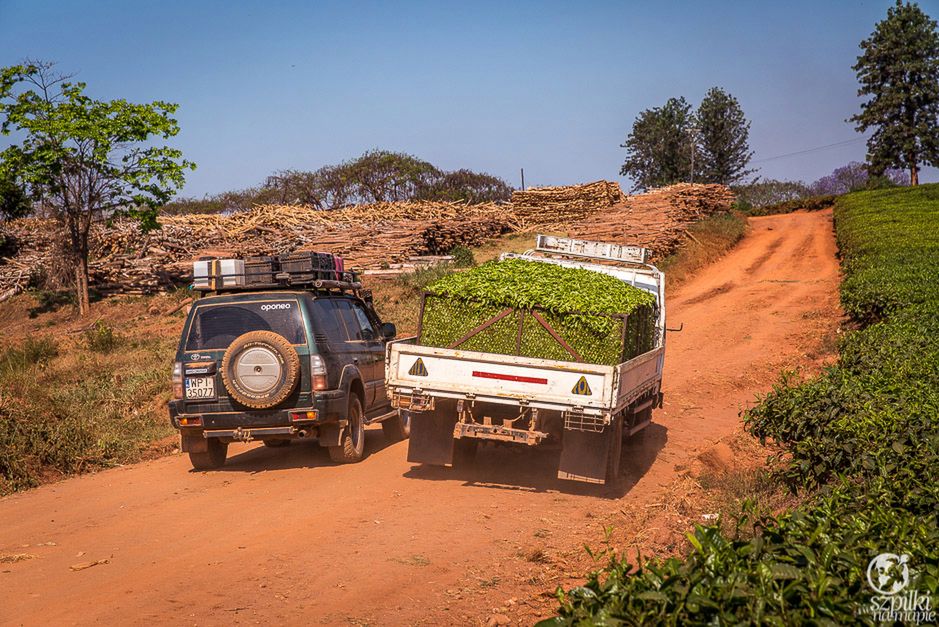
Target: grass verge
[
  {"x": 708, "y": 240},
  {"x": 861, "y": 446},
  {"x": 69, "y": 405}
]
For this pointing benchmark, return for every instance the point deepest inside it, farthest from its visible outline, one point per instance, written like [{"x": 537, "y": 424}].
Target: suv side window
[
  {"x": 326, "y": 319},
  {"x": 366, "y": 325},
  {"x": 357, "y": 331}
]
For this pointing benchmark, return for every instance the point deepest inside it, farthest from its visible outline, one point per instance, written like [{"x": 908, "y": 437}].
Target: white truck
[{"x": 457, "y": 398}]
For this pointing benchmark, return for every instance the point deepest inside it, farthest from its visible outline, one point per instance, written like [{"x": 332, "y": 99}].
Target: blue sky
[{"x": 494, "y": 86}]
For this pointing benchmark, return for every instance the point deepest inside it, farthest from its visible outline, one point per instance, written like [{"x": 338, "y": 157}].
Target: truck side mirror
[{"x": 388, "y": 330}]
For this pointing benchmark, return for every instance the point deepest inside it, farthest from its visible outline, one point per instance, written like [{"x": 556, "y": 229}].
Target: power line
[{"x": 809, "y": 150}]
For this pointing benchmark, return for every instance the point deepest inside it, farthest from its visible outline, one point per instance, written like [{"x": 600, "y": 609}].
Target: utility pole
[
  {"x": 523, "y": 179},
  {"x": 693, "y": 131}
]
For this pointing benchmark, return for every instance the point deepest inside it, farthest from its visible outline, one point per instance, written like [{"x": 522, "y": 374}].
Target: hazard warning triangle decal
[
  {"x": 582, "y": 387},
  {"x": 419, "y": 369}
]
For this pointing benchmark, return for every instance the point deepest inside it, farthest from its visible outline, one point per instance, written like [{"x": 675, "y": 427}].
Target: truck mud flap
[
  {"x": 431, "y": 440},
  {"x": 583, "y": 457}
]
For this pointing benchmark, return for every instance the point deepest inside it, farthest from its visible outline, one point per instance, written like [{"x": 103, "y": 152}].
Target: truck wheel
[
  {"x": 213, "y": 458},
  {"x": 352, "y": 445},
  {"x": 614, "y": 452},
  {"x": 398, "y": 427},
  {"x": 464, "y": 452}
]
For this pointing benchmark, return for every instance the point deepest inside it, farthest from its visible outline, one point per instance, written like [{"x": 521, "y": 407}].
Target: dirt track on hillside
[{"x": 286, "y": 536}]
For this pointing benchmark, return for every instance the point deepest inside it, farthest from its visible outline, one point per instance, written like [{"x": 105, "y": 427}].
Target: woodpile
[
  {"x": 368, "y": 236},
  {"x": 657, "y": 220},
  {"x": 546, "y": 205}
]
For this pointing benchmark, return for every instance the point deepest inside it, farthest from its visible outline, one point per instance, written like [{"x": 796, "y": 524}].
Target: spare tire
[{"x": 260, "y": 369}]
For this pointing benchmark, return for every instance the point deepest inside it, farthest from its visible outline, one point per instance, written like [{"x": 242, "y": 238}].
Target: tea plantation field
[{"x": 863, "y": 451}]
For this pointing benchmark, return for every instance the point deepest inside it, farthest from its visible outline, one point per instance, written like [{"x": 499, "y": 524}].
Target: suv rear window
[{"x": 217, "y": 326}]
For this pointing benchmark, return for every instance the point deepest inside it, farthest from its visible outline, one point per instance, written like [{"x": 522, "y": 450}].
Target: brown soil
[{"x": 286, "y": 536}]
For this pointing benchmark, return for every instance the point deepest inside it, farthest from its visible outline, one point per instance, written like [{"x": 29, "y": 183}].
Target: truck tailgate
[{"x": 542, "y": 383}]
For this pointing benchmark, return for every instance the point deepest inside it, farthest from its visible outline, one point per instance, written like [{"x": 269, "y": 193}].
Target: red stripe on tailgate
[{"x": 509, "y": 377}]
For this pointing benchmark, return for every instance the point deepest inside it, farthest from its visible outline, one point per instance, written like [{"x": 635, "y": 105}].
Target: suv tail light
[
  {"x": 318, "y": 372},
  {"x": 178, "y": 379}
]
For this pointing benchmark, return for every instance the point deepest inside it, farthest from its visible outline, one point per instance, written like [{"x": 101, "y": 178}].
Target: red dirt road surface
[{"x": 286, "y": 536}]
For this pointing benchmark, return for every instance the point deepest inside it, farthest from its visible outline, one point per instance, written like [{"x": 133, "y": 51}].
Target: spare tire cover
[{"x": 260, "y": 369}]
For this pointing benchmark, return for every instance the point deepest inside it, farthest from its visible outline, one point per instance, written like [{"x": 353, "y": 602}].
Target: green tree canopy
[
  {"x": 474, "y": 187},
  {"x": 660, "y": 147},
  {"x": 723, "y": 139},
  {"x": 898, "y": 71},
  {"x": 86, "y": 159},
  {"x": 14, "y": 203},
  {"x": 376, "y": 176}
]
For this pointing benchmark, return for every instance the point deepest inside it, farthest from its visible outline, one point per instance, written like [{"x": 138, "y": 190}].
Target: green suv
[{"x": 280, "y": 365}]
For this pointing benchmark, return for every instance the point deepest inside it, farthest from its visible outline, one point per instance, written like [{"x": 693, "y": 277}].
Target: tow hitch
[{"x": 246, "y": 435}]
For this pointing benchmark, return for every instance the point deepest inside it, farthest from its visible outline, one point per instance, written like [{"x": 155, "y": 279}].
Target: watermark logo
[{"x": 888, "y": 575}]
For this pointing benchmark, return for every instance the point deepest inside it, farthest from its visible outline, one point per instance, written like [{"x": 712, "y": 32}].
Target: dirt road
[{"x": 286, "y": 536}]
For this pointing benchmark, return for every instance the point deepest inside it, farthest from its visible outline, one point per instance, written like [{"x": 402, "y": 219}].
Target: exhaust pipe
[{"x": 303, "y": 433}]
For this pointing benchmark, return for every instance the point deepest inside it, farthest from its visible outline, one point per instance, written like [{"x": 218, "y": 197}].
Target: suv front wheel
[{"x": 352, "y": 445}]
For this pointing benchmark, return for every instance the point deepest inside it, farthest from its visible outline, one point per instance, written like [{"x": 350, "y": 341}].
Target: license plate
[{"x": 200, "y": 387}]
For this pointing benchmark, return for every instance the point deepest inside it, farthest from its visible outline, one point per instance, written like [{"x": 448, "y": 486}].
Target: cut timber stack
[
  {"x": 368, "y": 236},
  {"x": 657, "y": 220},
  {"x": 562, "y": 205}
]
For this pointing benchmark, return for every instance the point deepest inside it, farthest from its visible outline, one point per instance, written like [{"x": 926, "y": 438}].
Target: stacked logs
[
  {"x": 123, "y": 259},
  {"x": 559, "y": 205},
  {"x": 657, "y": 220}
]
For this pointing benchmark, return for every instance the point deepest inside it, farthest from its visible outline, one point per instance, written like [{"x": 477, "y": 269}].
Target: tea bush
[{"x": 864, "y": 436}]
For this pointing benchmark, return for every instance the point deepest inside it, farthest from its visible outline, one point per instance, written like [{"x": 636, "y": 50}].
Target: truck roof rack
[{"x": 590, "y": 250}]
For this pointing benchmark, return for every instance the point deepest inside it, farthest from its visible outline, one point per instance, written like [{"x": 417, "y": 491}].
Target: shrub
[
  {"x": 101, "y": 338},
  {"x": 463, "y": 257}
]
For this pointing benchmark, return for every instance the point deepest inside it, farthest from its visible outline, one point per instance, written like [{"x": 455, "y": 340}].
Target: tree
[
  {"x": 660, "y": 147},
  {"x": 899, "y": 71},
  {"x": 763, "y": 192},
  {"x": 473, "y": 187},
  {"x": 86, "y": 159},
  {"x": 14, "y": 203},
  {"x": 853, "y": 177},
  {"x": 723, "y": 139}
]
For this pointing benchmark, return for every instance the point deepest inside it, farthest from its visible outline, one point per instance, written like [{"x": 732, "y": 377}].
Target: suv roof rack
[{"x": 263, "y": 274}]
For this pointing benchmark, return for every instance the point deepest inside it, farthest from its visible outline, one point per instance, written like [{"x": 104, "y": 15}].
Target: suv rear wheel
[
  {"x": 352, "y": 445},
  {"x": 213, "y": 458}
]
